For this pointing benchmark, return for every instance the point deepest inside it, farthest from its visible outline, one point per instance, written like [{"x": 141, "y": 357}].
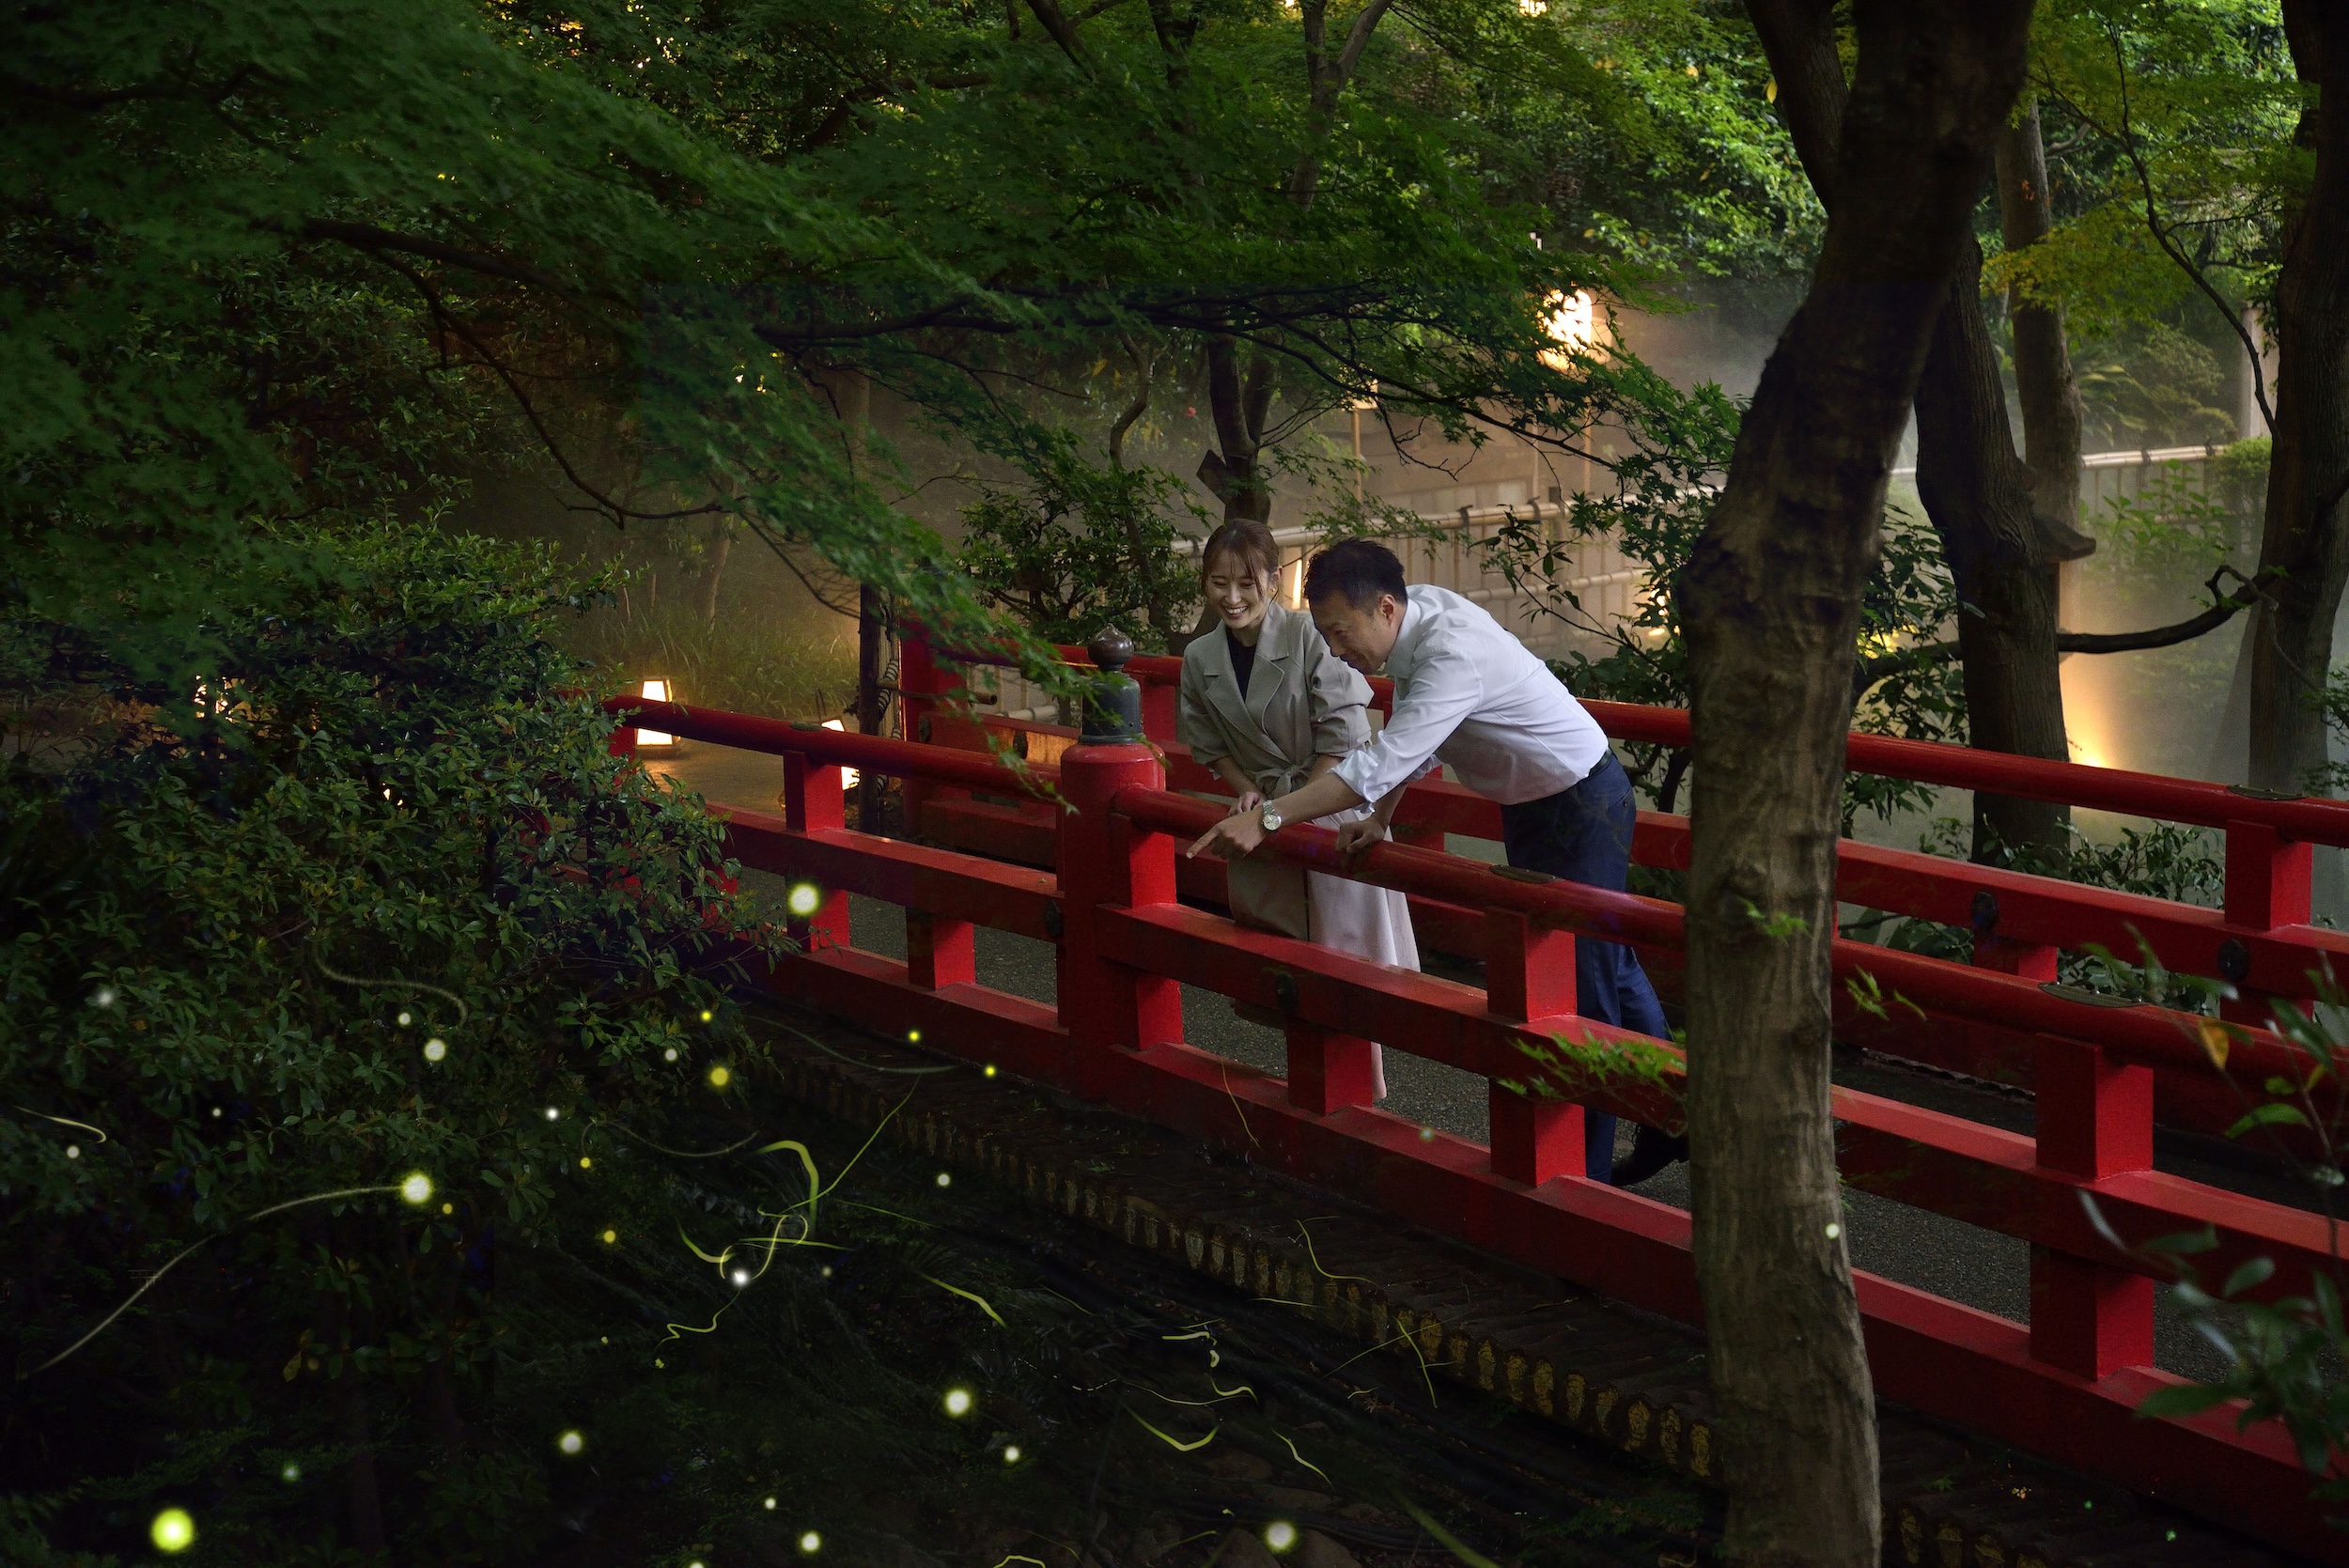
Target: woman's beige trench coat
[{"x": 1301, "y": 700}]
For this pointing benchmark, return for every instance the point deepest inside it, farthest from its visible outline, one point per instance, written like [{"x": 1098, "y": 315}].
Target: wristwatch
[{"x": 1271, "y": 818}]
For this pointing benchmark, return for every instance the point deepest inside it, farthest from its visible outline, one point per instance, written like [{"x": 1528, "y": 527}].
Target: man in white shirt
[{"x": 1469, "y": 695}]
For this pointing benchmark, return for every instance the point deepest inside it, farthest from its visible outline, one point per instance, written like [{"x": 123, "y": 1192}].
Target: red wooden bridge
[{"x": 1098, "y": 875}]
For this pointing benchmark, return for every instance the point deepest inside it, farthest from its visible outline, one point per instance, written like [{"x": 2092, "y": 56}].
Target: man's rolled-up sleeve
[{"x": 1445, "y": 689}]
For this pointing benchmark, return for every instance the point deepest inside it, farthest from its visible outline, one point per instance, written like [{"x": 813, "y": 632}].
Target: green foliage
[
  {"x": 1679, "y": 445},
  {"x": 744, "y": 662},
  {"x": 1079, "y": 548},
  {"x": 230, "y": 945},
  {"x": 2286, "y": 1353},
  {"x": 2183, "y": 519}
]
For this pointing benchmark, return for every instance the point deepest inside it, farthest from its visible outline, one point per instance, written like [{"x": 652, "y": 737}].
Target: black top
[{"x": 1243, "y": 660}]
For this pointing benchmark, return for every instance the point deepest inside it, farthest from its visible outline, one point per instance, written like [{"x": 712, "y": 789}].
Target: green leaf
[{"x": 2273, "y": 1114}]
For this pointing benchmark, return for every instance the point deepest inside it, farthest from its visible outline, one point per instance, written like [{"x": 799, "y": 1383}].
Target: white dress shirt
[{"x": 1468, "y": 693}]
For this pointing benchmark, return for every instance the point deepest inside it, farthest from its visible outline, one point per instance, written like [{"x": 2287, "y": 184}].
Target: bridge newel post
[
  {"x": 1105, "y": 860},
  {"x": 921, "y": 684},
  {"x": 811, "y": 802},
  {"x": 1529, "y": 975},
  {"x": 2095, "y": 1119},
  {"x": 2270, "y": 882}
]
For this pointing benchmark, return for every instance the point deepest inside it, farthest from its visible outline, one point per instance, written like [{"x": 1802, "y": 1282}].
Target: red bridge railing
[{"x": 2065, "y": 1386}]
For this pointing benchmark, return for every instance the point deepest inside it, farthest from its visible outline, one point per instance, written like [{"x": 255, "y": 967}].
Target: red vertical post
[
  {"x": 938, "y": 951},
  {"x": 1328, "y": 1071},
  {"x": 623, "y": 742},
  {"x": 1158, "y": 709},
  {"x": 811, "y": 802},
  {"x": 2095, "y": 1119},
  {"x": 1529, "y": 974},
  {"x": 1105, "y": 861},
  {"x": 921, "y": 684},
  {"x": 2269, "y": 880}
]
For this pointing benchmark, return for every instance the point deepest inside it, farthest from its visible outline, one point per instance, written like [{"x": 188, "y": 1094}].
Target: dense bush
[{"x": 375, "y": 905}]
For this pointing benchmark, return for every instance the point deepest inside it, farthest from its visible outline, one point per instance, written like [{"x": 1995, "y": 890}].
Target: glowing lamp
[
  {"x": 1571, "y": 320},
  {"x": 848, "y": 775},
  {"x": 654, "y": 691}
]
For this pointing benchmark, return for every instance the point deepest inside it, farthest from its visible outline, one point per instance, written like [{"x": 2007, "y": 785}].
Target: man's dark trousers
[{"x": 1583, "y": 834}]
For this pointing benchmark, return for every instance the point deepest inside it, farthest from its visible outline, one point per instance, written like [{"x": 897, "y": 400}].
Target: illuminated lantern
[
  {"x": 848, "y": 775},
  {"x": 654, "y": 691}
]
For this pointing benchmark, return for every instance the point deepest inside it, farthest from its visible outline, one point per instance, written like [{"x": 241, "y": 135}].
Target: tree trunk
[
  {"x": 716, "y": 574},
  {"x": 1240, "y": 403},
  {"x": 1771, "y": 600},
  {"x": 1977, "y": 493},
  {"x": 2044, "y": 384},
  {"x": 2305, "y": 537}
]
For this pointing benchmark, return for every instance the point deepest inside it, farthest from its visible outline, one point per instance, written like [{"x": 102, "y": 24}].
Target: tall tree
[
  {"x": 2003, "y": 551},
  {"x": 1772, "y": 601},
  {"x": 2304, "y": 548}
]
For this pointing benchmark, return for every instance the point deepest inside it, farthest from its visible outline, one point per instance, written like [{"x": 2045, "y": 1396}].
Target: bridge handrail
[
  {"x": 2138, "y": 1032},
  {"x": 2306, "y": 819}
]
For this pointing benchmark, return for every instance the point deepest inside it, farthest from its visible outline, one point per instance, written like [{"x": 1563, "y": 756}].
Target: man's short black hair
[{"x": 1358, "y": 569}]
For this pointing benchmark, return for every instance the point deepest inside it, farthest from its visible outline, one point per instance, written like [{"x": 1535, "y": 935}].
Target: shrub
[{"x": 380, "y": 906}]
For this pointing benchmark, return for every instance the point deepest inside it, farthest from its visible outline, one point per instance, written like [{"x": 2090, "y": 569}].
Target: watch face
[{"x": 1271, "y": 821}]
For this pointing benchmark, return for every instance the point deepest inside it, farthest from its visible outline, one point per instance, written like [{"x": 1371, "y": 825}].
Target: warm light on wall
[
  {"x": 848, "y": 776},
  {"x": 654, "y": 691},
  {"x": 1572, "y": 320}
]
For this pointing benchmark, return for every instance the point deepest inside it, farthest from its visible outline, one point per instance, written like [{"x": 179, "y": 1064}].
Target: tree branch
[
  {"x": 1055, "y": 22},
  {"x": 367, "y": 237},
  {"x": 2222, "y": 610}
]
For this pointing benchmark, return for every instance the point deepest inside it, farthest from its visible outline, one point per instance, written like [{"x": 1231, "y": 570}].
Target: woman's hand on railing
[
  {"x": 1360, "y": 834},
  {"x": 1251, "y": 800}
]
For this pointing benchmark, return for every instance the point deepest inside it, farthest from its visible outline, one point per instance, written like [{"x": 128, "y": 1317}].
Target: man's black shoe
[{"x": 1652, "y": 1149}]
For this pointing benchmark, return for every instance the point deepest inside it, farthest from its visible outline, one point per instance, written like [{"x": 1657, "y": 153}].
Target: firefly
[
  {"x": 811, "y": 1542},
  {"x": 741, "y": 1277},
  {"x": 1280, "y": 1535},
  {"x": 915, "y": 1036},
  {"x": 1011, "y": 1454},
  {"x": 706, "y": 1014},
  {"x": 405, "y": 1019},
  {"x": 172, "y": 1531},
  {"x": 435, "y": 1049},
  {"x": 292, "y": 1472},
  {"x": 770, "y": 1503},
  {"x": 610, "y": 1236},
  {"x": 990, "y": 1070},
  {"x": 945, "y": 1180},
  {"x": 957, "y": 1402},
  {"x": 720, "y": 1078},
  {"x": 803, "y": 899},
  {"x": 73, "y": 1150},
  {"x": 669, "y": 1055},
  {"x": 417, "y": 1189},
  {"x": 1833, "y": 1230},
  {"x": 571, "y": 1442},
  {"x": 552, "y": 1113}
]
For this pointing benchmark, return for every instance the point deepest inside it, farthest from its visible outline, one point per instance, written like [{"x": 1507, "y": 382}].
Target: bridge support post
[
  {"x": 2095, "y": 1119},
  {"x": 812, "y": 801},
  {"x": 938, "y": 951},
  {"x": 2269, "y": 883},
  {"x": 1329, "y": 1072},
  {"x": 1105, "y": 860},
  {"x": 1528, "y": 976},
  {"x": 921, "y": 684}
]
